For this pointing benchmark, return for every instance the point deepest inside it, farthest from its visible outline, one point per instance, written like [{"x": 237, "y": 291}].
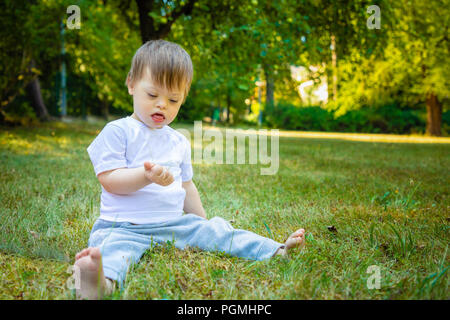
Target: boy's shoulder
[
  {"x": 125, "y": 124},
  {"x": 122, "y": 122},
  {"x": 118, "y": 123}
]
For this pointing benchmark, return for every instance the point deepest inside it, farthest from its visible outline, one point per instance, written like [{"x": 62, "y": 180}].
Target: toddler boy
[{"x": 145, "y": 171}]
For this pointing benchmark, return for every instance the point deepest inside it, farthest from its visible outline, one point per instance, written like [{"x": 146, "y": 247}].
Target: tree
[
  {"x": 422, "y": 36},
  {"x": 30, "y": 50},
  {"x": 219, "y": 38},
  {"x": 411, "y": 70},
  {"x": 336, "y": 30},
  {"x": 18, "y": 67},
  {"x": 101, "y": 51}
]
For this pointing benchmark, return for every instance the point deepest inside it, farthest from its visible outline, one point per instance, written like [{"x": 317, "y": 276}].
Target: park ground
[{"x": 365, "y": 200}]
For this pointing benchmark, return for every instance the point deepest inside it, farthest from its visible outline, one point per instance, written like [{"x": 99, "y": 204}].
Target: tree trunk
[
  {"x": 146, "y": 21},
  {"x": 270, "y": 86},
  {"x": 34, "y": 94},
  {"x": 105, "y": 109},
  {"x": 220, "y": 110},
  {"x": 228, "y": 105},
  {"x": 334, "y": 66},
  {"x": 434, "y": 115}
]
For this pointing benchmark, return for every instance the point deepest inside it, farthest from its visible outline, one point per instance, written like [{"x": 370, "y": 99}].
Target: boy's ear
[{"x": 130, "y": 86}]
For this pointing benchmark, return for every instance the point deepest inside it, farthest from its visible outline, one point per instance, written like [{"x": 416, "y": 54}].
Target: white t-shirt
[{"x": 128, "y": 143}]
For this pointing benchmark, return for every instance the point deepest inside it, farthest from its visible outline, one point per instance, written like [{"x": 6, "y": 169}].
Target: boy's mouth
[{"x": 158, "y": 117}]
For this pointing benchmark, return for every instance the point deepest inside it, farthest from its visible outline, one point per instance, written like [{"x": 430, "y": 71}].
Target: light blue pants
[{"x": 122, "y": 243}]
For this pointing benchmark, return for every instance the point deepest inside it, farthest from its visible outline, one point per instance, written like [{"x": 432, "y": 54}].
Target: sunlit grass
[
  {"x": 370, "y": 137},
  {"x": 363, "y": 203}
]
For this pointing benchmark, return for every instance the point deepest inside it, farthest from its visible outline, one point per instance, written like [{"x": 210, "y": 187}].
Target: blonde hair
[{"x": 167, "y": 63}]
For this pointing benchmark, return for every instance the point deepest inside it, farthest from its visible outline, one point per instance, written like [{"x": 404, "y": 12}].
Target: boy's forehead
[{"x": 147, "y": 83}]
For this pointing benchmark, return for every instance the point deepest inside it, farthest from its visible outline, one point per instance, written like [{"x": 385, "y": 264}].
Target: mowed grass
[{"x": 362, "y": 203}]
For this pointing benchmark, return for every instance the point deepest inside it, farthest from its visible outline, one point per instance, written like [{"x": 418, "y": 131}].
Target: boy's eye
[{"x": 154, "y": 96}]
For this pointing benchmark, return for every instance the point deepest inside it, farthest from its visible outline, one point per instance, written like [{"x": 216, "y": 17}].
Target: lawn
[{"x": 373, "y": 202}]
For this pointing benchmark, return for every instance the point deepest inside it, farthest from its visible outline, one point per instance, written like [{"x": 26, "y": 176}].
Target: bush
[
  {"x": 18, "y": 112},
  {"x": 191, "y": 111},
  {"x": 290, "y": 117},
  {"x": 384, "y": 119}
]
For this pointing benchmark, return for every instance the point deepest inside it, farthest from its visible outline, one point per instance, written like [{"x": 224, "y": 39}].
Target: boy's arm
[
  {"x": 128, "y": 180},
  {"x": 192, "y": 202}
]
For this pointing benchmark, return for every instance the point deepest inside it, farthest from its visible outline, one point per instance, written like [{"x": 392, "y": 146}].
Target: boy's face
[{"x": 153, "y": 105}]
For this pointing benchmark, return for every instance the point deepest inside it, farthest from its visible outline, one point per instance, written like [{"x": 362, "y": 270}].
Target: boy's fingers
[
  {"x": 169, "y": 176},
  {"x": 158, "y": 174},
  {"x": 166, "y": 174},
  {"x": 162, "y": 174},
  {"x": 157, "y": 170}
]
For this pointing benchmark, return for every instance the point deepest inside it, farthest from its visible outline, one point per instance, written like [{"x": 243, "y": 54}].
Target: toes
[
  {"x": 95, "y": 254},
  {"x": 294, "y": 242},
  {"x": 298, "y": 233},
  {"x": 82, "y": 253}
]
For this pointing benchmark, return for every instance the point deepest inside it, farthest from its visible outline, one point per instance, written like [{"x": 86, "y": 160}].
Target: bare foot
[
  {"x": 93, "y": 284},
  {"x": 297, "y": 239}
]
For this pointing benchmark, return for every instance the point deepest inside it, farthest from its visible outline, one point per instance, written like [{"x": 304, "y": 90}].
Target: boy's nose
[{"x": 161, "y": 104}]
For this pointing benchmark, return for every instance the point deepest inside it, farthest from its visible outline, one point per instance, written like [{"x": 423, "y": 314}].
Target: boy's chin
[{"x": 154, "y": 125}]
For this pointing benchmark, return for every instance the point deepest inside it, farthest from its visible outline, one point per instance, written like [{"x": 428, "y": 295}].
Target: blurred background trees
[{"x": 348, "y": 77}]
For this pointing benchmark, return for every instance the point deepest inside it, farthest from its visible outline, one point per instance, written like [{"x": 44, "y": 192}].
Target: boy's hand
[{"x": 158, "y": 174}]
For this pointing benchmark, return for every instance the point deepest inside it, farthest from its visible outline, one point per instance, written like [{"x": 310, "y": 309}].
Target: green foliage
[
  {"x": 19, "y": 112},
  {"x": 98, "y": 55},
  {"x": 385, "y": 119},
  {"x": 288, "y": 116},
  {"x": 446, "y": 121},
  {"x": 12, "y": 61},
  {"x": 101, "y": 52},
  {"x": 412, "y": 64},
  {"x": 28, "y": 32},
  {"x": 234, "y": 46},
  {"x": 191, "y": 111}
]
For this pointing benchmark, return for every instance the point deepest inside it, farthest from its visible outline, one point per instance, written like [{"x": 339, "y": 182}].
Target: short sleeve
[
  {"x": 186, "y": 165},
  {"x": 107, "y": 151}
]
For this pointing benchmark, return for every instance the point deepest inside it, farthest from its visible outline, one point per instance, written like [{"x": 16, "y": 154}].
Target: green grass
[{"x": 388, "y": 204}]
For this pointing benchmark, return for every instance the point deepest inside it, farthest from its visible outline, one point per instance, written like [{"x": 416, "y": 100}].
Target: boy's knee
[{"x": 222, "y": 221}]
